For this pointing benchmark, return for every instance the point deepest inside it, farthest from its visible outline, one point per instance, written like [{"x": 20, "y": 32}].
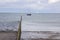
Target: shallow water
[{"x": 40, "y": 35}]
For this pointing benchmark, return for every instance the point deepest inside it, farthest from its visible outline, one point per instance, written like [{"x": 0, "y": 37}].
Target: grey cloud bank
[{"x": 27, "y": 6}]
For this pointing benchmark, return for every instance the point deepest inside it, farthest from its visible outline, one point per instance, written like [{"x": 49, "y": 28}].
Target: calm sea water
[
  {"x": 35, "y": 22},
  {"x": 35, "y": 26},
  {"x": 41, "y": 22}
]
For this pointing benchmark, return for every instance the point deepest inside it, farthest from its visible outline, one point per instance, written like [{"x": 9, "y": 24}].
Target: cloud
[
  {"x": 28, "y": 4},
  {"x": 52, "y": 8},
  {"x": 34, "y": 4},
  {"x": 7, "y": 1},
  {"x": 53, "y": 1}
]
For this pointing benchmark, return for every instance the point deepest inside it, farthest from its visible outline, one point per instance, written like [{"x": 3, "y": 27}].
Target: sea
[{"x": 32, "y": 25}]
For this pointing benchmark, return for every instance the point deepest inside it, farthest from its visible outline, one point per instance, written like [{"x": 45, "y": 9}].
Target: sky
[{"x": 30, "y": 6}]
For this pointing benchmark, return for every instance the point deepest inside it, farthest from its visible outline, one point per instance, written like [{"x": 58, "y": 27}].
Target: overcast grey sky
[{"x": 27, "y": 6}]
